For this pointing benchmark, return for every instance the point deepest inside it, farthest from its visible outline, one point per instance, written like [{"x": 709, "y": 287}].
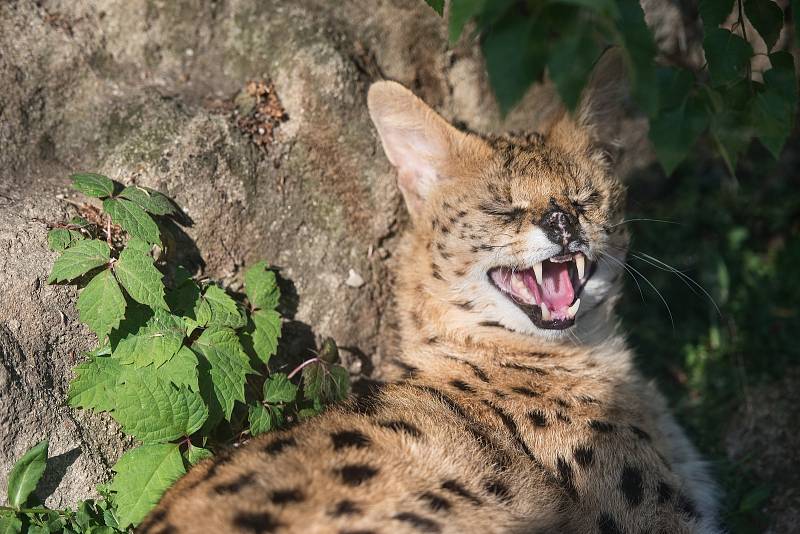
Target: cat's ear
[{"x": 425, "y": 149}]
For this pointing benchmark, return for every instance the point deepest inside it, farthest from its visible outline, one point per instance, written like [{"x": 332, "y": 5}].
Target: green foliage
[
  {"x": 722, "y": 100},
  {"x": 179, "y": 364}
]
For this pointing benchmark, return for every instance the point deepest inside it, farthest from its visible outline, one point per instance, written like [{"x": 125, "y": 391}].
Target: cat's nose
[{"x": 560, "y": 227}]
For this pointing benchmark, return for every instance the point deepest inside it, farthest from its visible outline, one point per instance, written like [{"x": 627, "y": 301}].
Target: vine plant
[{"x": 182, "y": 367}]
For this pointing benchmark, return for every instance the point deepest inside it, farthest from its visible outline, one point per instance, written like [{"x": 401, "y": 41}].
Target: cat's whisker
[{"x": 641, "y": 219}]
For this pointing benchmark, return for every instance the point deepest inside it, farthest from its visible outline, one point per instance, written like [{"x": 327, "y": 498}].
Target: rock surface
[{"x": 141, "y": 90}]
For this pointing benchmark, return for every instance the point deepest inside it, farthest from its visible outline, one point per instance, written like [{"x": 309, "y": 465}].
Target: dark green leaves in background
[{"x": 565, "y": 38}]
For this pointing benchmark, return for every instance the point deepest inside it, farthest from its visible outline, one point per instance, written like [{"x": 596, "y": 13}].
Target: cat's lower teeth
[
  {"x": 545, "y": 312},
  {"x": 573, "y": 310}
]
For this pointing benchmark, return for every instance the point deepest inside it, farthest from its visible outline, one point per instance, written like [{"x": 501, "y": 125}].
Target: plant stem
[
  {"x": 31, "y": 510},
  {"x": 300, "y": 367}
]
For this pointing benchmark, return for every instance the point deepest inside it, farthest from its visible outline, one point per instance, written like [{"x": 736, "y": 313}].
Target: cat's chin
[{"x": 548, "y": 293}]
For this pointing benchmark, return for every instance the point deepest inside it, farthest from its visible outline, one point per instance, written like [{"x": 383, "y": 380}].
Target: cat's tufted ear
[{"x": 425, "y": 149}]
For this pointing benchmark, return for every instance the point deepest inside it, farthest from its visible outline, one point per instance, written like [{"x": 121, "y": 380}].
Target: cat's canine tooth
[
  {"x": 580, "y": 263},
  {"x": 537, "y": 271},
  {"x": 572, "y": 310},
  {"x": 545, "y": 312}
]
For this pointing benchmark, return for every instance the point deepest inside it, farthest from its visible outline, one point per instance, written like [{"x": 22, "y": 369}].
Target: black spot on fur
[
  {"x": 565, "y": 477},
  {"x": 436, "y": 503},
  {"x": 561, "y": 402},
  {"x": 528, "y": 392},
  {"x": 345, "y": 507},
  {"x": 522, "y": 367},
  {"x": 498, "y": 489},
  {"x": 561, "y": 416},
  {"x": 601, "y": 426},
  {"x": 409, "y": 371},
  {"x": 349, "y": 438},
  {"x": 287, "y": 496},
  {"x": 607, "y": 525},
  {"x": 401, "y": 426},
  {"x": 664, "y": 492},
  {"x": 584, "y": 456},
  {"x": 435, "y": 272},
  {"x": 357, "y": 532},
  {"x": 586, "y": 399},
  {"x": 491, "y": 324},
  {"x": 423, "y": 524},
  {"x": 256, "y": 522},
  {"x": 511, "y": 426},
  {"x": 234, "y": 486},
  {"x": 356, "y": 474},
  {"x": 641, "y": 434},
  {"x": 467, "y": 305},
  {"x": 537, "y": 417},
  {"x": 685, "y": 506},
  {"x": 632, "y": 485},
  {"x": 457, "y": 489},
  {"x": 463, "y": 386}
]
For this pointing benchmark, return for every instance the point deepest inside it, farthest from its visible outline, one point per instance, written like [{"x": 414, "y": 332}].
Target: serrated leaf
[
  {"x": 775, "y": 106},
  {"x": 94, "y": 384},
  {"x": 223, "y": 309},
  {"x": 223, "y": 370},
  {"x": 155, "y": 343},
  {"x": 436, "y": 5},
  {"x": 674, "y": 132},
  {"x": 132, "y": 219},
  {"x": 140, "y": 278},
  {"x": 101, "y": 304},
  {"x": 10, "y": 524},
  {"x": 767, "y": 18},
  {"x": 155, "y": 411},
  {"x": 181, "y": 369},
  {"x": 728, "y": 56},
  {"x": 195, "y": 455},
  {"x": 571, "y": 60},
  {"x": 278, "y": 388},
  {"x": 149, "y": 199},
  {"x": 26, "y": 473},
  {"x": 261, "y": 288},
  {"x": 260, "y": 419},
  {"x": 266, "y": 332},
  {"x": 60, "y": 239},
  {"x": 328, "y": 383},
  {"x": 143, "y": 475},
  {"x": 139, "y": 245},
  {"x": 732, "y": 132},
  {"x": 79, "y": 259},
  {"x": 94, "y": 185}
]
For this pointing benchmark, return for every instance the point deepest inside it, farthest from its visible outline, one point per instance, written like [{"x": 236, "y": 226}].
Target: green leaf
[
  {"x": 714, "y": 12},
  {"x": 94, "y": 185},
  {"x": 155, "y": 343},
  {"x": 140, "y": 278},
  {"x": 143, "y": 475},
  {"x": 181, "y": 369},
  {"x": 94, "y": 384},
  {"x": 195, "y": 455},
  {"x": 132, "y": 219},
  {"x": 101, "y": 304},
  {"x": 153, "y": 410},
  {"x": 775, "y": 107},
  {"x": 437, "y": 5},
  {"x": 60, "y": 239},
  {"x": 328, "y": 383},
  {"x": 79, "y": 259},
  {"x": 460, "y": 13},
  {"x": 26, "y": 473},
  {"x": 260, "y": 419},
  {"x": 795, "y": 9},
  {"x": 728, "y": 56},
  {"x": 149, "y": 200},
  {"x": 640, "y": 51},
  {"x": 223, "y": 370},
  {"x": 278, "y": 388},
  {"x": 732, "y": 132},
  {"x": 10, "y": 524},
  {"x": 511, "y": 74},
  {"x": 261, "y": 287},
  {"x": 674, "y": 132},
  {"x": 223, "y": 309},
  {"x": 767, "y": 18},
  {"x": 571, "y": 61},
  {"x": 266, "y": 331}
]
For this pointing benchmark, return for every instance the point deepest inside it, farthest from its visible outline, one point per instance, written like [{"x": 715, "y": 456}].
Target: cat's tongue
[{"x": 556, "y": 289}]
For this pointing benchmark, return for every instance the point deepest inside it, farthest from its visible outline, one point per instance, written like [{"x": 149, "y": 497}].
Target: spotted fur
[{"x": 493, "y": 425}]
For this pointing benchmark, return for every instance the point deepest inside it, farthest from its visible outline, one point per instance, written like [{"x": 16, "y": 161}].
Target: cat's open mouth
[{"x": 549, "y": 292}]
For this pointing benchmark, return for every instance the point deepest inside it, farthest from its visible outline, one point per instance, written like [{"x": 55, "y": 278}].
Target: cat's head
[{"x": 519, "y": 230}]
